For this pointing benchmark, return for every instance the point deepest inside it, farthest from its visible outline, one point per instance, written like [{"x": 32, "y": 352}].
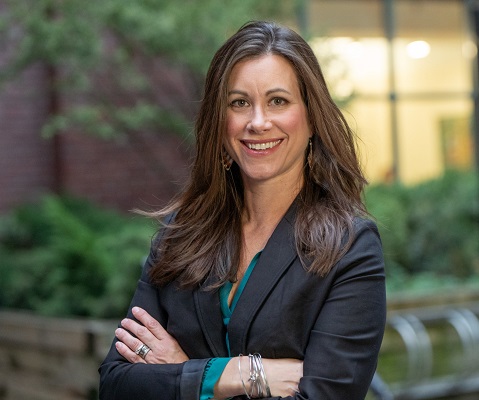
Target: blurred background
[{"x": 97, "y": 105}]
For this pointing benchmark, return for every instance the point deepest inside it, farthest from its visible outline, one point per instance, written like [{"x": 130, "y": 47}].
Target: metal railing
[{"x": 419, "y": 332}]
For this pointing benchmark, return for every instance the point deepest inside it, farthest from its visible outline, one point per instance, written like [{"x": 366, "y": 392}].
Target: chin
[{"x": 259, "y": 176}]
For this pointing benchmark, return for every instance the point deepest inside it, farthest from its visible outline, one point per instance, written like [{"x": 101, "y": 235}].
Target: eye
[
  {"x": 278, "y": 101},
  {"x": 239, "y": 103}
]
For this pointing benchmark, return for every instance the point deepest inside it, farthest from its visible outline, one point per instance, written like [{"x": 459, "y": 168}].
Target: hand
[
  {"x": 283, "y": 375},
  {"x": 164, "y": 347}
]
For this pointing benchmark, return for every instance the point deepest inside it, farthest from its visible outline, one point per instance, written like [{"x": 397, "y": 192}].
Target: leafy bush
[
  {"x": 66, "y": 257},
  {"x": 430, "y": 231}
]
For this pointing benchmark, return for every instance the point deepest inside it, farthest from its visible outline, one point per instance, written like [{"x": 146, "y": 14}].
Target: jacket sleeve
[
  {"x": 344, "y": 344},
  {"x": 341, "y": 355},
  {"x": 122, "y": 380}
]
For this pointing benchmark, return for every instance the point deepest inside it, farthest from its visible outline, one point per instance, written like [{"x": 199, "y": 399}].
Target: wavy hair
[{"x": 203, "y": 244}]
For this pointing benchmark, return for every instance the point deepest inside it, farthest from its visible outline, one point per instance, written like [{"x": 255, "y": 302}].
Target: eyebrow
[
  {"x": 281, "y": 90},
  {"x": 269, "y": 92}
]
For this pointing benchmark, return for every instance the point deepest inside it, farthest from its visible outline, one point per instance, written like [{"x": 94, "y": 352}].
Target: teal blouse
[{"x": 215, "y": 366}]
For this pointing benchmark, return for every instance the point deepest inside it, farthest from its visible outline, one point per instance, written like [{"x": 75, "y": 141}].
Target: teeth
[{"x": 262, "y": 146}]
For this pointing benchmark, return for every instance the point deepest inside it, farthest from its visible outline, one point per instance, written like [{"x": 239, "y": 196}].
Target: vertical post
[
  {"x": 390, "y": 33},
  {"x": 302, "y": 12},
  {"x": 54, "y": 110},
  {"x": 473, "y": 14}
]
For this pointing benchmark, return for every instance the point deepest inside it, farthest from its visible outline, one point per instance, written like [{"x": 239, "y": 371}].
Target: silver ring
[{"x": 142, "y": 351}]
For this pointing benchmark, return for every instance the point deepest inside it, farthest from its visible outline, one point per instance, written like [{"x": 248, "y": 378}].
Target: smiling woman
[
  {"x": 267, "y": 129},
  {"x": 266, "y": 279}
]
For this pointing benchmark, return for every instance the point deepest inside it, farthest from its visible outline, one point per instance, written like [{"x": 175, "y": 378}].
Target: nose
[{"x": 259, "y": 121}]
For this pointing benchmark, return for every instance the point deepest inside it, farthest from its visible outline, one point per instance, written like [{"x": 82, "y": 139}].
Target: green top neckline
[
  {"x": 225, "y": 290},
  {"x": 215, "y": 366}
]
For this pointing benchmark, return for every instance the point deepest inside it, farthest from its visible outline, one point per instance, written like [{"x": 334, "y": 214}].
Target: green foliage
[
  {"x": 66, "y": 257},
  {"x": 188, "y": 33},
  {"x": 102, "y": 54},
  {"x": 54, "y": 32},
  {"x": 430, "y": 231},
  {"x": 121, "y": 120}
]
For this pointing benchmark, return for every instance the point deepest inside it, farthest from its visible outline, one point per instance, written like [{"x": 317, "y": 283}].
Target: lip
[{"x": 261, "y": 146}]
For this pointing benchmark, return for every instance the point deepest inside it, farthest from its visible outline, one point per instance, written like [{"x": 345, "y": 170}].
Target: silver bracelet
[
  {"x": 259, "y": 387},
  {"x": 258, "y": 383},
  {"x": 254, "y": 377},
  {"x": 241, "y": 376},
  {"x": 263, "y": 377}
]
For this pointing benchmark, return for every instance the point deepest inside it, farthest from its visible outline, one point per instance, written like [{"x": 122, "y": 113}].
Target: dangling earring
[
  {"x": 310, "y": 154},
  {"x": 226, "y": 159}
]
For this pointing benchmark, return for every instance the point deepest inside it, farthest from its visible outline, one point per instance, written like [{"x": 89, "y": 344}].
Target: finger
[
  {"x": 126, "y": 338},
  {"x": 139, "y": 331},
  {"x": 130, "y": 346},
  {"x": 129, "y": 354},
  {"x": 150, "y": 323}
]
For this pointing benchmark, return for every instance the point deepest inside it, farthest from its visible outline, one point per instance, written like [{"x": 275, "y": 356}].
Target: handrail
[
  {"x": 467, "y": 327},
  {"x": 414, "y": 328},
  {"x": 418, "y": 344}
]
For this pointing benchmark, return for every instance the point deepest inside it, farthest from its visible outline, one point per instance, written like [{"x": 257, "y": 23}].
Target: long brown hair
[{"x": 204, "y": 241}]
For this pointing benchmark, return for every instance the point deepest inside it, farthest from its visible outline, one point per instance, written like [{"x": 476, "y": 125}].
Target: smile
[{"x": 263, "y": 146}]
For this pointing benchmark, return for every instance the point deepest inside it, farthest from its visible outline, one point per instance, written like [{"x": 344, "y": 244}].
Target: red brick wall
[
  {"x": 26, "y": 160},
  {"x": 142, "y": 173},
  {"x": 123, "y": 175}
]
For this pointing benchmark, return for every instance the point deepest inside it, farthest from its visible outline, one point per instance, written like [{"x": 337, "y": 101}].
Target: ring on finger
[{"x": 142, "y": 350}]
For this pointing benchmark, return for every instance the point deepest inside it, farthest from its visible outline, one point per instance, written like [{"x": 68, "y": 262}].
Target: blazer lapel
[
  {"x": 275, "y": 259},
  {"x": 208, "y": 308}
]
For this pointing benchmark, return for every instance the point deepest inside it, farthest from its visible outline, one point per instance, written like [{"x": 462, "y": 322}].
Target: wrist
[
  {"x": 229, "y": 383},
  {"x": 257, "y": 383}
]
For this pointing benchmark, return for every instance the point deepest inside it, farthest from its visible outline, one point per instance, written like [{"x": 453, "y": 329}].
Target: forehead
[{"x": 264, "y": 69}]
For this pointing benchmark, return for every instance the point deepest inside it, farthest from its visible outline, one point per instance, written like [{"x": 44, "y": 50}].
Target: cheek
[
  {"x": 229, "y": 134},
  {"x": 233, "y": 126},
  {"x": 229, "y": 129},
  {"x": 295, "y": 122}
]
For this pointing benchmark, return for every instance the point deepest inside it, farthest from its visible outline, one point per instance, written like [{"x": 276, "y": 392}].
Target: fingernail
[{"x": 135, "y": 309}]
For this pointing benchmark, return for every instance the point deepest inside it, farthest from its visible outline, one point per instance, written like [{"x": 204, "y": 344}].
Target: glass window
[
  {"x": 409, "y": 98},
  {"x": 432, "y": 49},
  {"x": 433, "y": 135},
  {"x": 371, "y": 120}
]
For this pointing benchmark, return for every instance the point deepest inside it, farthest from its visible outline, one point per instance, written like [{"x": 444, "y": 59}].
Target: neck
[{"x": 266, "y": 203}]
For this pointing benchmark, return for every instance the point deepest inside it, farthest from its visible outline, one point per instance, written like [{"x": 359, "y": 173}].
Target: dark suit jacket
[{"x": 334, "y": 323}]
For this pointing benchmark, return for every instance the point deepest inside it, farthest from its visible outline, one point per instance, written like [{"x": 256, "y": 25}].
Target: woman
[{"x": 267, "y": 278}]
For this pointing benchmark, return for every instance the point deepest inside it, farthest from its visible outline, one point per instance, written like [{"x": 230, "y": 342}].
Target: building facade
[{"x": 405, "y": 73}]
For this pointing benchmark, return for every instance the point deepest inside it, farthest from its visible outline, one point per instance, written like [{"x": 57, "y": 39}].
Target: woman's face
[{"x": 267, "y": 129}]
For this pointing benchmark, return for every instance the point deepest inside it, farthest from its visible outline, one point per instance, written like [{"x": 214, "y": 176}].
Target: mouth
[{"x": 263, "y": 145}]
